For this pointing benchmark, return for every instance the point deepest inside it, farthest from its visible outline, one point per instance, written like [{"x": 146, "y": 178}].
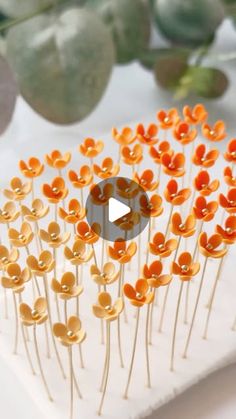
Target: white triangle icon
[{"x": 116, "y": 209}]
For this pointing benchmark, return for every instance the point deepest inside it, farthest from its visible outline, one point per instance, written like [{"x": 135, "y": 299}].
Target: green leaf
[
  {"x": 18, "y": 8},
  {"x": 149, "y": 57},
  {"x": 62, "y": 63},
  {"x": 169, "y": 70},
  {"x": 207, "y": 82},
  {"x": 8, "y": 94}
]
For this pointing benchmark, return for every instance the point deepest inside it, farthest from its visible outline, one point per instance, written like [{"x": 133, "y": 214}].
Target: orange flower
[
  {"x": 21, "y": 238},
  {"x": 43, "y": 265},
  {"x": 19, "y": 190},
  {"x": 128, "y": 221},
  {"x": 101, "y": 197},
  {"x": 53, "y": 236},
  {"x": 124, "y": 137},
  {"x": 152, "y": 274},
  {"x": 105, "y": 309},
  {"x": 35, "y": 213},
  {"x": 157, "y": 153},
  {"x": 66, "y": 288},
  {"x": 209, "y": 247},
  {"x": 55, "y": 192},
  {"x": 106, "y": 276},
  {"x": 139, "y": 294},
  {"x": 77, "y": 255},
  {"x": 132, "y": 156},
  {"x": 186, "y": 229},
  {"x": 70, "y": 333},
  {"x": 203, "y": 184},
  {"x": 151, "y": 207},
  {"x": 185, "y": 267},
  {"x": 229, "y": 202},
  {"x": 7, "y": 257},
  {"x": 16, "y": 278},
  {"x": 204, "y": 211},
  {"x": 183, "y": 133},
  {"x": 195, "y": 116},
  {"x": 228, "y": 233},
  {"x": 37, "y": 315},
  {"x": 127, "y": 189},
  {"x": 146, "y": 180},
  {"x": 230, "y": 154},
  {"x": 88, "y": 234},
  {"x": 215, "y": 133},
  {"x": 173, "y": 165},
  {"x": 173, "y": 196},
  {"x": 201, "y": 158},
  {"x": 148, "y": 136},
  {"x": 74, "y": 214},
  {"x": 57, "y": 160},
  {"x": 8, "y": 213},
  {"x": 84, "y": 178},
  {"x": 160, "y": 247},
  {"x": 168, "y": 119},
  {"x": 229, "y": 178},
  {"x": 90, "y": 148},
  {"x": 121, "y": 252},
  {"x": 108, "y": 169},
  {"x": 33, "y": 169}
]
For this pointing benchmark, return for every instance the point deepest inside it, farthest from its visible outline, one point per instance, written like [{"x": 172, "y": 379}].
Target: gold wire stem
[
  {"x": 77, "y": 283},
  {"x": 27, "y": 350},
  {"x": 119, "y": 343},
  {"x": 40, "y": 364},
  {"x": 213, "y": 298},
  {"x": 65, "y": 310},
  {"x": 139, "y": 250},
  {"x": 51, "y": 327},
  {"x": 5, "y": 304},
  {"x": 39, "y": 238},
  {"x": 77, "y": 386},
  {"x": 168, "y": 222},
  {"x": 71, "y": 382},
  {"x": 47, "y": 341},
  {"x": 34, "y": 282},
  {"x": 175, "y": 327},
  {"x": 94, "y": 256},
  {"x": 147, "y": 346},
  {"x": 151, "y": 318},
  {"x": 149, "y": 238},
  {"x": 16, "y": 324},
  {"x": 55, "y": 212},
  {"x": 32, "y": 190},
  {"x": 81, "y": 273},
  {"x": 195, "y": 310},
  {"x": 81, "y": 357},
  {"x": 133, "y": 355},
  {"x": 108, "y": 350},
  {"x": 101, "y": 388},
  {"x": 55, "y": 276}
]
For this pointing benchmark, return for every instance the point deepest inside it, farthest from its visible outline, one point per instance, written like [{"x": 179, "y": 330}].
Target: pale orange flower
[
  {"x": 66, "y": 288},
  {"x": 139, "y": 294},
  {"x": 81, "y": 179},
  {"x": 203, "y": 158},
  {"x": 19, "y": 190},
  {"x": 195, "y": 116},
  {"x": 57, "y": 160},
  {"x": 32, "y": 169},
  {"x": 132, "y": 156},
  {"x": 203, "y": 184},
  {"x": 21, "y": 238},
  {"x": 128, "y": 221},
  {"x": 127, "y": 189},
  {"x": 121, "y": 252},
  {"x": 147, "y": 136},
  {"x": 203, "y": 210},
  {"x": 37, "y": 211},
  {"x": 78, "y": 254},
  {"x": 214, "y": 133},
  {"x": 43, "y": 265},
  {"x": 8, "y": 256},
  {"x": 156, "y": 153},
  {"x": 9, "y": 213},
  {"x": 99, "y": 196},
  {"x": 87, "y": 234},
  {"x": 209, "y": 246},
  {"x": 151, "y": 207},
  {"x": 228, "y": 232},
  {"x": 106, "y": 276},
  {"x": 168, "y": 119},
  {"x": 53, "y": 236},
  {"x": 15, "y": 278},
  {"x": 160, "y": 247},
  {"x": 173, "y": 165},
  {"x": 124, "y": 137},
  {"x": 228, "y": 202},
  {"x": 107, "y": 170},
  {"x": 38, "y": 315},
  {"x": 146, "y": 180},
  {"x": 175, "y": 197},
  {"x": 107, "y": 310},
  {"x": 185, "y": 268},
  {"x": 55, "y": 192},
  {"x": 229, "y": 178},
  {"x": 180, "y": 228},
  {"x": 91, "y": 148},
  {"x": 153, "y": 275},
  {"x": 74, "y": 214},
  {"x": 70, "y": 333},
  {"x": 183, "y": 133},
  {"x": 230, "y": 154}
]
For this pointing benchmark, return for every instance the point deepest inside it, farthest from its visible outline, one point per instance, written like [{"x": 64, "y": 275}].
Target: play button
[{"x": 114, "y": 204}]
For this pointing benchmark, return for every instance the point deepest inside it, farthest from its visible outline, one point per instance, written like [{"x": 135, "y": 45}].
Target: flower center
[
  {"x": 166, "y": 120},
  {"x": 182, "y": 227},
  {"x": 184, "y": 268},
  {"x": 108, "y": 308},
  {"x": 212, "y": 133},
  {"x": 54, "y": 236},
  {"x": 104, "y": 169},
  {"x": 4, "y": 260},
  {"x": 35, "y": 314},
  {"x": 203, "y": 159},
  {"x": 5, "y": 214},
  {"x": 65, "y": 288},
  {"x": 205, "y": 211},
  {"x": 209, "y": 246},
  {"x": 229, "y": 231},
  {"x": 232, "y": 203},
  {"x": 70, "y": 334},
  {"x": 76, "y": 254},
  {"x": 132, "y": 154},
  {"x": 90, "y": 148},
  {"x": 233, "y": 154},
  {"x": 55, "y": 190},
  {"x": 15, "y": 279},
  {"x": 139, "y": 295},
  {"x": 155, "y": 276},
  {"x": 33, "y": 211},
  {"x": 161, "y": 247},
  {"x": 121, "y": 252},
  {"x": 72, "y": 212},
  {"x": 171, "y": 166},
  {"x": 22, "y": 237},
  {"x": 87, "y": 234},
  {"x": 41, "y": 264},
  {"x": 173, "y": 195},
  {"x": 17, "y": 191}
]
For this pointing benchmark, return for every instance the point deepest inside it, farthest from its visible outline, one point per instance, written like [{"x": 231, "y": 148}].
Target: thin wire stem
[
  {"x": 108, "y": 350},
  {"x": 133, "y": 355},
  {"x": 40, "y": 364},
  {"x": 175, "y": 327},
  {"x": 16, "y": 324},
  {"x": 71, "y": 383},
  {"x": 147, "y": 346}
]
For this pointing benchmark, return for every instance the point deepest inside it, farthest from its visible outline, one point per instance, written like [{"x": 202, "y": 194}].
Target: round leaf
[
  {"x": 148, "y": 58},
  {"x": 208, "y": 82},
  {"x": 169, "y": 69},
  {"x": 8, "y": 94},
  {"x": 62, "y": 63}
]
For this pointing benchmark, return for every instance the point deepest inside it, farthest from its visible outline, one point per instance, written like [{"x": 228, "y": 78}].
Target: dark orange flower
[
  {"x": 173, "y": 165},
  {"x": 215, "y": 133},
  {"x": 168, "y": 119},
  {"x": 139, "y": 294},
  {"x": 183, "y": 133},
  {"x": 157, "y": 153},
  {"x": 185, "y": 268},
  {"x": 108, "y": 169},
  {"x": 55, "y": 192},
  {"x": 81, "y": 179},
  {"x": 230, "y": 154},
  {"x": 228, "y": 233},
  {"x": 148, "y": 136},
  {"x": 132, "y": 156},
  {"x": 180, "y": 228},
  {"x": 160, "y": 247},
  {"x": 153, "y": 276},
  {"x": 195, "y": 116},
  {"x": 127, "y": 189},
  {"x": 229, "y": 178},
  {"x": 57, "y": 160},
  {"x": 209, "y": 246},
  {"x": 88, "y": 234},
  {"x": 128, "y": 221},
  {"x": 203, "y": 184},
  {"x": 173, "y": 196},
  {"x": 90, "y": 148},
  {"x": 146, "y": 180},
  {"x": 201, "y": 158},
  {"x": 229, "y": 202},
  {"x": 151, "y": 207},
  {"x": 101, "y": 197},
  {"x": 74, "y": 214},
  {"x": 34, "y": 168},
  {"x": 121, "y": 252},
  {"x": 124, "y": 137},
  {"x": 204, "y": 211}
]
